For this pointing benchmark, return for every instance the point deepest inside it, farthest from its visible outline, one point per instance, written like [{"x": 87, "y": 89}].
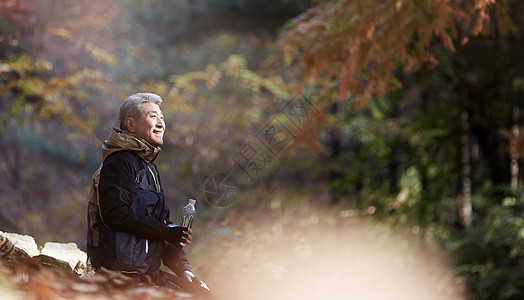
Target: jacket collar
[{"x": 123, "y": 140}]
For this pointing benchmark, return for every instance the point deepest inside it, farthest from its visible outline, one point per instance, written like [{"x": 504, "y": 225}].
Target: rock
[
  {"x": 52, "y": 262},
  {"x": 69, "y": 253},
  {"x": 17, "y": 246},
  {"x": 5, "y": 246},
  {"x": 65, "y": 256}
]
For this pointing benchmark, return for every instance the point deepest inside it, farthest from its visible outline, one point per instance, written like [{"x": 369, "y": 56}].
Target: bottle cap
[{"x": 192, "y": 201}]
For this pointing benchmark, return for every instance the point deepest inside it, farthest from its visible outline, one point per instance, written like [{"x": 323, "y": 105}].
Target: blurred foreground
[
  {"x": 304, "y": 253},
  {"x": 295, "y": 253}
]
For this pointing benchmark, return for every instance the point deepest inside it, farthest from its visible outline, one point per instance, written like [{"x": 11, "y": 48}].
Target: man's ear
[{"x": 130, "y": 124}]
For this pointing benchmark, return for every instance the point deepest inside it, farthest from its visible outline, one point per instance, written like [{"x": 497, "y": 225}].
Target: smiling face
[{"x": 150, "y": 126}]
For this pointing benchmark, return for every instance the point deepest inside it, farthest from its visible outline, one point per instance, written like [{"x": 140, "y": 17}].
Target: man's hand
[
  {"x": 179, "y": 235},
  {"x": 193, "y": 278}
]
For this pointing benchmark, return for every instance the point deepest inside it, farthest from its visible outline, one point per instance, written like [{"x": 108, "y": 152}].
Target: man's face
[{"x": 151, "y": 125}]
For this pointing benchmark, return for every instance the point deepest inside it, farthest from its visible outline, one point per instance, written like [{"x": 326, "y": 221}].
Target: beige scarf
[{"x": 118, "y": 140}]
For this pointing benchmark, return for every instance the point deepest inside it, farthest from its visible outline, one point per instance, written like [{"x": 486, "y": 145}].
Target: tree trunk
[
  {"x": 514, "y": 151},
  {"x": 466, "y": 208}
]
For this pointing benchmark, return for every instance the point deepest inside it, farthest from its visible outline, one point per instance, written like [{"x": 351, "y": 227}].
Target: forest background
[{"x": 319, "y": 117}]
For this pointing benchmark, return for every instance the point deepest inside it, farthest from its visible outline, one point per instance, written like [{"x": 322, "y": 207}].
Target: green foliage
[
  {"x": 32, "y": 94},
  {"x": 490, "y": 254}
]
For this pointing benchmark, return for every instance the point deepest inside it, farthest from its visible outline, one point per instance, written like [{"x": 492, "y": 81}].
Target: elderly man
[{"x": 129, "y": 226}]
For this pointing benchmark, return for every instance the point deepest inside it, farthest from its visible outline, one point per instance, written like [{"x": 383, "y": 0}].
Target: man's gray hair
[{"x": 132, "y": 106}]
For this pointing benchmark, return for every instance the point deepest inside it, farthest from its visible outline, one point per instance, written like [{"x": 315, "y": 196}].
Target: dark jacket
[{"x": 128, "y": 231}]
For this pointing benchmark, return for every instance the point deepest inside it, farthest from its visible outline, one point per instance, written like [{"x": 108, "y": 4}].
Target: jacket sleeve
[
  {"x": 175, "y": 258},
  {"x": 116, "y": 190}
]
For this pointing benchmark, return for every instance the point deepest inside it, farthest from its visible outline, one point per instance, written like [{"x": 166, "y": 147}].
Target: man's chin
[{"x": 156, "y": 143}]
